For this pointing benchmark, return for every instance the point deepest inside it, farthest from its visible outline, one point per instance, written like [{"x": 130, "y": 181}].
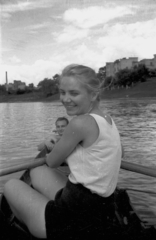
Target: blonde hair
[{"x": 84, "y": 74}]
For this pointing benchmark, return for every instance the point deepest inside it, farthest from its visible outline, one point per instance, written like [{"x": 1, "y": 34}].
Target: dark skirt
[{"x": 77, "y": 213}]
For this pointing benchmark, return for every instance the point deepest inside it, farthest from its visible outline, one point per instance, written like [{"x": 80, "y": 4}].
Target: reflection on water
[{"x": 24, "y": 125}]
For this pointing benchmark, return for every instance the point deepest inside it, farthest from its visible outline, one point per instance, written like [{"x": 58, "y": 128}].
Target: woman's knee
[
  {"x": 10, "y": 187},
  {"x": 37, "y": 174}
]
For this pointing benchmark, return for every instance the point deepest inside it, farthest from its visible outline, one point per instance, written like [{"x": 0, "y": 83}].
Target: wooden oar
[
  {"x": 34, "y": 163},
  {"x": 40, "y": 161},
  {"x": 133, "y": 167}
]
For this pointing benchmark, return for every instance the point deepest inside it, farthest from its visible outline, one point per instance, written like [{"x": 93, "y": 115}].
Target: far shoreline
[{"x": 145, "y": 90}]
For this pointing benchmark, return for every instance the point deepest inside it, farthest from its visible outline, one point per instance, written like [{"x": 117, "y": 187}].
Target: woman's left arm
[{"x": 73, "y": 134}]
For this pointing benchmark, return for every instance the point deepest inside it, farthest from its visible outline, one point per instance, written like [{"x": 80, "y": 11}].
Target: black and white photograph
[{"x": 78, "y": 119}]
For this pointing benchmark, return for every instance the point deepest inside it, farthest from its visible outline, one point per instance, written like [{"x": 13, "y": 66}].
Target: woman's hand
[
  {"x": 49, "y": 145},
  {"x": 41, "y": 146}
]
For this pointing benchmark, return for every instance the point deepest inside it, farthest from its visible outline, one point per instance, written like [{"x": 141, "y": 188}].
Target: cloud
[
  {"x": 8, "y": 9},
  {"x": 121, "y": 40},
  {"x": 93, "y": 16},
  {"x": 70, "y": 34},
  {"x": 14, "y": 60},
  {"x": 89, "y": 36},
  {"x": 36, "y": 27},
  {"x": 41, "y": 69},
  {"x": 30, "y": 73},
  {"x": 83, "y": 54},
  {"x": 78, "y": 22}
]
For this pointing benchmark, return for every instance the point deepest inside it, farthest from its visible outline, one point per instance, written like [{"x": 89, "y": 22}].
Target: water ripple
[{"x": 24, "y": 125}]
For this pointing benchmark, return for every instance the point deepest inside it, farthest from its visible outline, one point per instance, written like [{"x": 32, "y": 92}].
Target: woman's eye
[
  {"x": 74, "y": 93},
  {"x": 61, "y": 92}
]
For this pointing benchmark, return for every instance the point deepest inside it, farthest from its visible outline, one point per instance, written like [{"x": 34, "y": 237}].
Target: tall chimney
[{"x": 6, "y": 85}]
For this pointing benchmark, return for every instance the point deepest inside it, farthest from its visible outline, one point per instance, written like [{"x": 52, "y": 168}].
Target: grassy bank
[
  {"x": 140, "y": 90},
  {"x": 27, "y": 97}
]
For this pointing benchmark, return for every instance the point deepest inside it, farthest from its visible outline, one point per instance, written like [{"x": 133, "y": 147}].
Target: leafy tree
[
  {"x": 48, "y": 86},
  {"x": 126, "y": 77},
  {"x": 20, "y": 91},
  {"x": 102, "y": 73},
  {"x": 152, "y": 72},
  {"x": 109, "y": 82},
  {"x": 56, "y": 79},
  {"x": 123, "y": 77},
  {"x": 2, "y": 89}
]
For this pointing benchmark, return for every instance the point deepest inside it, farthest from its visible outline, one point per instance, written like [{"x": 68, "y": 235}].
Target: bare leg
[
  {"x": 28, "y": 206},
  {"x": 47, "y": 181}
]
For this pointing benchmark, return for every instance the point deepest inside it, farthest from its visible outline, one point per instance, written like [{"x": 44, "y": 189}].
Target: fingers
[{"x": 49, "y": 145}]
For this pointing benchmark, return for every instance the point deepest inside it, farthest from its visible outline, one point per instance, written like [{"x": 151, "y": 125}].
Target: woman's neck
[{"x": 95, "y": 108}]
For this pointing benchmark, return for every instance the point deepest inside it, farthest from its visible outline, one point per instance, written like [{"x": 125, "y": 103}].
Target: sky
[{"x": 38, "y": 38}]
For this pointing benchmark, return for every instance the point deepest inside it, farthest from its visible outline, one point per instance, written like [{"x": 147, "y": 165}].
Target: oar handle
[
  {"x": 35, "y": 163},
  {"x": 149, "y": 171},
  {"x": 40, "y": 161}
]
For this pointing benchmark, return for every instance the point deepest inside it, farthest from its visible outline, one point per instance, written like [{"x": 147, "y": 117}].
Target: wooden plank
[
  {"x": 34, "y": 163},
  {"x": 40, "y": 161},
  {"x": 133, "y": 167}
]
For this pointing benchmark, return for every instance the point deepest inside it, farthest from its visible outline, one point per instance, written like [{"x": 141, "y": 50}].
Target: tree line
[
  {"x": 123, "y": 78},
  {"x": 126, "y": 77}
]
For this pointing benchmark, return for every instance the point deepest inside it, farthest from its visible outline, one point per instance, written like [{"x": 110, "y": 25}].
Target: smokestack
[{"x": 6, "y": 81}]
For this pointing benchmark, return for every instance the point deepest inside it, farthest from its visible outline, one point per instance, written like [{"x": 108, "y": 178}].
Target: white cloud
[
  {"x": 30, "y": 73},
  {"x": 8, "y": 9},
  {"x": 14, "y": 60},
  {"x": 36, "y": 27},
  {"x": 70, "y": 33},
  {"x": 124, "y": 40},
  {"x": 42, "y": 69},
  {"x": 92, "y": 16},
  {"x": 83, "y": 54},
  {"x": 79, "y": 21},
  {"x": 92, "y": 46}
]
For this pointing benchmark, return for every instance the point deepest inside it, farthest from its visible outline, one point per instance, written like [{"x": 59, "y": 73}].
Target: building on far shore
[
  {"x": 113, "y": 67},
  {"x": 17, "y": 85},
  {"x": 149, "y": 63}
]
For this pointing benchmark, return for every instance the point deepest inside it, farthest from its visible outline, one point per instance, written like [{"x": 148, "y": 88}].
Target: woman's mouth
[{"x": 69, "y": 106}]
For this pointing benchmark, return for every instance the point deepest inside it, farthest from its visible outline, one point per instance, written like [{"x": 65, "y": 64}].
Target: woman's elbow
[{"x": 50, "y": 162}]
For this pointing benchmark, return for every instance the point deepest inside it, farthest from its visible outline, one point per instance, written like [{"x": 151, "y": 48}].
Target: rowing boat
[{"x": 125, "y": 224}]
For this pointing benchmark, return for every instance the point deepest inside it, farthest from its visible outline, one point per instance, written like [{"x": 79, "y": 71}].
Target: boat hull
[{"x": 125, "y": 224}]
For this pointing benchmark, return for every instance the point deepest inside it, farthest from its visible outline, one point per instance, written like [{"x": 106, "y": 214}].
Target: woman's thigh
[
  {"x": 28, "y": 206},
  {"x": 47, "y": 181}
]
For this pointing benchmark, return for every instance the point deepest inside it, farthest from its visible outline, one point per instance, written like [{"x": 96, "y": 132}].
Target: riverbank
[{"x": 140, "y": 90}]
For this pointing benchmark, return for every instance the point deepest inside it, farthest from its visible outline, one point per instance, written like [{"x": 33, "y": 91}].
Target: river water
[{"x": 24, "y": 125}]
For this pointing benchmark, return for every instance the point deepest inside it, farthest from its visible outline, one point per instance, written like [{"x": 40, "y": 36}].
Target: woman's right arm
[{"x": 73, "y": 134}]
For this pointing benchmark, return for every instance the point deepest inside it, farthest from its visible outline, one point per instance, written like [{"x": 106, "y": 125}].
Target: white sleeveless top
[{"x": 97, "y": 166}]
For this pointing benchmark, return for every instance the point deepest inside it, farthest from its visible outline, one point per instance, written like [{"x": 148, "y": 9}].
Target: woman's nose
[{"x": 66, "y": 98}]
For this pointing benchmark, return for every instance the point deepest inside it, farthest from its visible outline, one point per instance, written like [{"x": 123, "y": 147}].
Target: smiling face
[{"x": 74, "y": 96}]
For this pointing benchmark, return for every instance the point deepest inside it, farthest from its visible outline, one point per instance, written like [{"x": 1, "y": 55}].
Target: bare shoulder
[
  {"x": 82, "y": 119},
  {"x": 83, "y": 122}
]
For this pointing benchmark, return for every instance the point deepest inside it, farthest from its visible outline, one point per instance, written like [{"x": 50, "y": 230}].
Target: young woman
[{"x": 59, "y": 207}]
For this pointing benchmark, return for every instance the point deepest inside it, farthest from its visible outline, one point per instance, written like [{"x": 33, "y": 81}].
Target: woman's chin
[{"x": 70, "y": 113}]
